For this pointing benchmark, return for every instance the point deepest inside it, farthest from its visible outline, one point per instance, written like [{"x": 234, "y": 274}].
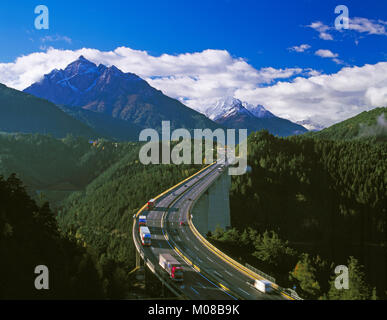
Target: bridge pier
[
  {"x": 139, "y": 260},
  {"x": 213, "y": 207}
]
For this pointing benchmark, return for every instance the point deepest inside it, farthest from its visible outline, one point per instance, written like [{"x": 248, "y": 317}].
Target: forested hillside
[
  {"x": 95, "y": 222},
  {"x": 102, "y": 215},
  {"x": 29, "y": 237},
  {"x": 320, "y": 197},
  {"x": 22, "y": 112},
  {"x": 57, "y": 166},
  {"x": 368, "y": 124}
]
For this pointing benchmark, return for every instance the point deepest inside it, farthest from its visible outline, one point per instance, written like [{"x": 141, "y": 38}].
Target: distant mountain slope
[
  {"x": 367, "y": 124},
  {"x": 233, "y": 113},
  {"x": 121, "y": 95},
  {"x": 105, "y": 125},
  {"x": 22, "y": 112}
]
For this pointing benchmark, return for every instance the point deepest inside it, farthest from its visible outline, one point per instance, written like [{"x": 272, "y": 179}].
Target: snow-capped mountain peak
[
  {"x": 310, "y": 125},
  {"x": 230, "y": 106},
  {"x": 224, "y": 108},
  {"x": 258, "y": 110}
]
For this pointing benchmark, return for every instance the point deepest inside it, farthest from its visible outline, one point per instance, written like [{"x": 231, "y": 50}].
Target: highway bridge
[{"x": 208, "y": 273}]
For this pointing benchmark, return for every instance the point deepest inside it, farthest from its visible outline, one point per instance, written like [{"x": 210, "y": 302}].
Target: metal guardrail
[
  {"x": 248, "y": 271},
  {"x": 261, "y": 273},
  {"x": 138, "y": 247},
  {"x": 231, "y": 261}
]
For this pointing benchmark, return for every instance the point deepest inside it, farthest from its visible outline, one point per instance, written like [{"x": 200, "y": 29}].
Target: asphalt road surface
[{"x": 217, "y": 280}]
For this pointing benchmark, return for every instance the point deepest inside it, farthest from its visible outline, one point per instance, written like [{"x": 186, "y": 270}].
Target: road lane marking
[
  {"x": 193, "y": 289},
  {"x": 244, "y": 291}
]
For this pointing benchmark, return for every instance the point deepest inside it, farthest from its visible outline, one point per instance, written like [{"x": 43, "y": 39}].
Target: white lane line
[
  {"x": 228, "y": 272},
  {"x": 210, "y": 259},
  {"x": 218, "y": 274},
  {"x": 244, "y": 291},
  {"x": 194, "y": 291},
  {"x": 196, "y": 248},
  {"x": 201, "y": 285}
]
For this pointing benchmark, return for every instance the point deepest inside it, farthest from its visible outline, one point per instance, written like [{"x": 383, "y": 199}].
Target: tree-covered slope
[
  {"x": 29, "y": 237},
  {"x": 102, "y": 215},
  {"x": 105, "y": 125},
  {"x": 367, "y": 124},
  {"x": 57, "y": 166},
  {"x": 21, "y": 112},
  {"x": 327, "y": 198}
]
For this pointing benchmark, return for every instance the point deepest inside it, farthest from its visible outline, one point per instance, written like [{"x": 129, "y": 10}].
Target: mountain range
[
  {"x": 101, "y": 101},
  {"x": 233, "y": 113},
  {"x": 120, "y": 95}
]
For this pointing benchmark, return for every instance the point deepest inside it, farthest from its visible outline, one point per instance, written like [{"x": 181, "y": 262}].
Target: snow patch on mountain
[
  {"x": 229, "y": 106},
  {"x": 310, "y": 125}
]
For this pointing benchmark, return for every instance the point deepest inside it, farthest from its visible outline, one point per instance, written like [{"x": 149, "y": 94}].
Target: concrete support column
[{"x": 213, "y": 207}]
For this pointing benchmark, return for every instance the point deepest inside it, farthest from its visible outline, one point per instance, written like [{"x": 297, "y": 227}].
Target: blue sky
[{"x": 261, "y": 33}]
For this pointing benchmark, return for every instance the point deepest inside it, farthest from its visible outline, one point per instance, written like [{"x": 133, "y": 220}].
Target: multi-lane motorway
[{"x": 206, "y": 275}]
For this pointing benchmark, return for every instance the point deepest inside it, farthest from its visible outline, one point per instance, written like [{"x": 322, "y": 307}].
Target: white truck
[
  {"x": 263, "y": 285},
  {"x": 145, "y": 235},
  {"x": 172, "y": 266},
  {"x": 142, "y": 221}
]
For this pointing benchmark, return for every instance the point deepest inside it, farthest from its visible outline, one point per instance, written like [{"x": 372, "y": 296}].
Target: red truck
[
  {"x": 172, "y": 266},
  {"x": 151, "y": 204}
]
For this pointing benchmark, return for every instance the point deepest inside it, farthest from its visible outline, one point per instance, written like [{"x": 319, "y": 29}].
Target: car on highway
[{"x": 182, "y": 223}]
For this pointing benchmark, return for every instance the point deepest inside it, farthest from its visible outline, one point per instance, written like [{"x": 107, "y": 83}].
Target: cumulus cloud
[
  {"x": 368, "y": 26},
  {"x": 322, "y": 29},
  {"x": 206, "y": 75},
  {"x": 326, "y": 53},
  {"x": 300, "y": 48},
  {"x": 200, "y": 79},
  {"x": 325, "y": 99},
  {"x": 358, "y": 24}
]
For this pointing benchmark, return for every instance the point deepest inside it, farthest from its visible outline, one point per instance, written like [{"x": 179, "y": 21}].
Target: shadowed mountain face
[
  {"x": 112, "y": 92},
  {"x": 22, "y": 112}
]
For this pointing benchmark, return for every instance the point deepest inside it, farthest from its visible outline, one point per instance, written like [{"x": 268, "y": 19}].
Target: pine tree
[{"x": 357, "y": 286}]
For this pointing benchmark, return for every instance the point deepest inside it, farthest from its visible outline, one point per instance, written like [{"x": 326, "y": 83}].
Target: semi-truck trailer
[
  {"x": 151, "y": 204},
  {"x": 263, "y": 286},
  {"x": 172, "y": 266},
  {"x": 142, "y": 221},
  {"x": 145, "y": 235}
]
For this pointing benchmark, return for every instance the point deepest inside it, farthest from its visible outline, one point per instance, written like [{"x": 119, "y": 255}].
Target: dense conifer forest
[{"x": 308, "y": 205}]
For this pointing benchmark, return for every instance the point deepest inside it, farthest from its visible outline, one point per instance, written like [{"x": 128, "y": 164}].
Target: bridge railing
[
  {"x": 138, "y": 247},
  {"x": 250, "y": 273}
]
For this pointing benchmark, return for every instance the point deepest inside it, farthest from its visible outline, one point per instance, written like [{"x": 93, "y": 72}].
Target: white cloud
[
  {"x": 325, "y": 99},
  {"x": 358, "y": 24},
  {"x": 322, "y": 30},
  {"x": 202, "y": 75},
  {"x": 56, "y": 38},
  {"x": 199, "y": 79},
  {"x": 368, "y": 26},
  {"x": 300, "y": 48},
  {"x": 326, "y": 53}
]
